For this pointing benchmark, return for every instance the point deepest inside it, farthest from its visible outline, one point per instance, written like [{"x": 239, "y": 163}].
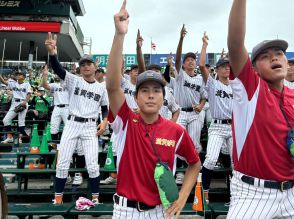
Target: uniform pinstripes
[
  {"x": 129, "y": 91},
  {"x": 11, "y": 114},
  {"x": 249, "y": 201},
  {"x": 188, "y": 91},
  {"x": 193, "y": 123},
  {"x": 219, "y": 139},
  {"x": 85, "y": 99},
  {"x": 59, "y": 114},
  {"x": 169, "y": 106},
  {"x": 289, "y": 84},
  {"x": 19, "y": 91},
  {"x": 73, "y": 131},
  {"x": 220, "y": 98},
  {"x": 121, "y": 212},
  {"x": 60, "y": 94}
]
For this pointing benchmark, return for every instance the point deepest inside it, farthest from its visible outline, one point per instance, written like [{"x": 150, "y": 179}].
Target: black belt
[
  {"x": 187, "y": 109},
  {"x": 62, "y": 105},
  {"x": 222, "y": 121},
  {"x": 18, "y": 100},
  {"x": 134, "y": 204},
  {"x": 80, "y": 119},
  {"x": 269, "y": 184}
]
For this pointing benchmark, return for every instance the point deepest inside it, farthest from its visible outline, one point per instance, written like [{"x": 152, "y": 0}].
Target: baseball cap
[
  {"x": 189, "y": 54},
  {"x": 154, "y": 66},
  {"x": 86, "y": 58},
  {"x": 149, "y": 76},
  {"x": 20, "y": 73},
  {"x": 134, "y": 67},
  {"x": 266, "y": 44},
  {"x": 222, "y": 61}
]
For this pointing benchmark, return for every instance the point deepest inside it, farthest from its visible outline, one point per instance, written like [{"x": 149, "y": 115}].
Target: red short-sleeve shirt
[
  {"x": 259, "y": 127},
  {"x": 136, "y": 158}
]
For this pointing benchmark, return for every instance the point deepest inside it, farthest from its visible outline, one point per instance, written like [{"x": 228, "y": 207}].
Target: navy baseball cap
[
  {"x": 149, "y": 76},
  {"x": 266, "y": 44},
  {"x": 189, "y": 54},
  {"x": 222, "y": 61},
  {"x": 134, "y": 67},
  {"x": 86, "y": 58},
  {"x": 154, "y": 66},
  {"x": 20, "y": 73}
]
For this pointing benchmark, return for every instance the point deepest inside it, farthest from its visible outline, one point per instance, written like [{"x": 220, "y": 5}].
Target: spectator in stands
[{"x": 40, "y": 104}]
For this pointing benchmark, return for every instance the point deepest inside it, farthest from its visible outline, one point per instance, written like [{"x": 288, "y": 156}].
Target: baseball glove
[{"x": 19, "y": 108}]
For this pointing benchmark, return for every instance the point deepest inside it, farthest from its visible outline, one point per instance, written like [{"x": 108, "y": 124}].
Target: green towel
[{"x": 166, "y": 184}]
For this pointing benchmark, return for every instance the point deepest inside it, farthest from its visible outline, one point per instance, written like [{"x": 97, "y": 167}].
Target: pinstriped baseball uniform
[
  {"x": 189, "y": 91},
  {"x": 220, "y": 98},
  {"x": 85, "y": 100},
  {"x": 60, "y": 97},
  {"x": 289, "y": 84},
  {"x": 129, "y": 91},
  {"x": 169, "y": 104},
  {"x": 19, "y": 92}
]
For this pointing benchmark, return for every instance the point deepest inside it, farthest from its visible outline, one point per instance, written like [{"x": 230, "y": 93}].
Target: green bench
[
  {"x": 218, "y": 208},
  {"x": 107, "y": 209},
  {"x": 25, "y": 173},
  {"x": 29, "y": 209}
]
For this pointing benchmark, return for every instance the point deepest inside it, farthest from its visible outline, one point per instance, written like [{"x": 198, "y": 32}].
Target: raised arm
[
  {"x": 140, "y": 59},
  {"x": 202, "y": 59},
  {"x": 45, "y": 76},
  {"x": 238, "y": 54},
  {"x": 179, "y": 49},
  {"x": 115, "y": 94},
  {"x": 3, "y": 81},
  {"x": 50, "y": 44}
]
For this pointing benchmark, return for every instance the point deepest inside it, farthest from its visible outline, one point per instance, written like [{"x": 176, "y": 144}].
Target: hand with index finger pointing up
[{"x": 121, "y": 19}]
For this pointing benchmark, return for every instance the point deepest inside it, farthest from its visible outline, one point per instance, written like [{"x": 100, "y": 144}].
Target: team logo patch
[{"x": 135, "y": 120}]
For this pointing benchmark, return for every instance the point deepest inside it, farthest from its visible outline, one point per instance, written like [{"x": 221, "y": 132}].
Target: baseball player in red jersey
[
  {"x": 263, "y": 117},
  {"x": 86, "y": 96},
  {"x": 136, "y": 158}
]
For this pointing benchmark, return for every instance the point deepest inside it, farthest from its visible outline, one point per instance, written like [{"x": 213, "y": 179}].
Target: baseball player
[
  {"x": 289, "y": 80},
  {"x": 86, "y": 96},
  {"x": 189, "y": 93},
  {"x": 60, "y": 101},
  {"x": 129, "y": 87},
  {"x": 263, "y": 117},
  {"x": 170, "y": 109},
  {"x": 220, "y": 99},
  {"x": 137, "y": 132},
  {"x": 21, "y": 92}
]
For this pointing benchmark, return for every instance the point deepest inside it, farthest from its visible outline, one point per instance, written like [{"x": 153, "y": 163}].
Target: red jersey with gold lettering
[
  {"x": 259, "y": 127},
  {"x": 136, "y": 158}
]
